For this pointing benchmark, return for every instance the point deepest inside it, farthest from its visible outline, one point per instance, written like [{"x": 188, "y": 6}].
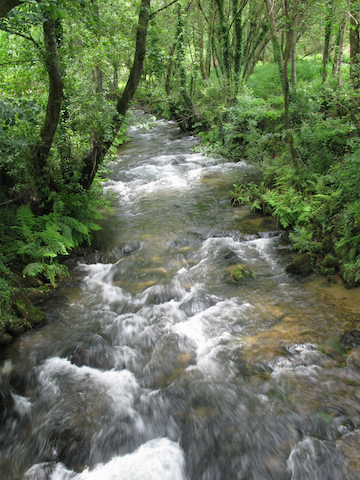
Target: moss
[
  {"x": 301, "y": 265},
  {"x": 241, "y": 272},
  {"x": 26, "y": 309}
]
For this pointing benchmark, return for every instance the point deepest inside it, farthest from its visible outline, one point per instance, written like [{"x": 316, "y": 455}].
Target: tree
[{"x": 45, "y": 177}]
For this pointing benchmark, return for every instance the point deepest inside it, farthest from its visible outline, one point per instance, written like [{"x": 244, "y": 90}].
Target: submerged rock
[
  {"x": 6, "y": 399},
  {"x": 350, "y": 338},
  {"x": 301, "y": 265},
  {"x": 93, "y": 352}
]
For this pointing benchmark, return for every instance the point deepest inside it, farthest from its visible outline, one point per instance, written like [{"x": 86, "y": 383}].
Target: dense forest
[{"x": 274, "y": 82}]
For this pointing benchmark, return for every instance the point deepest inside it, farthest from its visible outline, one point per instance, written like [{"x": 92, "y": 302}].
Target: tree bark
[
  {"x": 275, "y": 40},
  {"x": 40, "y": 152},
  {"x": 201, "y": 51},
  {"x": 100, "y": 147},
  {"x": 7, "y": 5},
  {"x": 169, "y": 68},
  {"x": 224, "y": 42},
  {"x": 294, "y": 37},
  {"x": 328, "y": 29},
  {"x": 355, "y": 44},
  {"x": 341, "y": 51}
]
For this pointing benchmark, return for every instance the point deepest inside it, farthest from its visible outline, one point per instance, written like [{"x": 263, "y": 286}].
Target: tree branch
[
  {"x": 13, "y": 32},
  {"x": 7, "y": 5},
  {"x": 162, "y": 8},
  {"x": 15, "y": 62}
]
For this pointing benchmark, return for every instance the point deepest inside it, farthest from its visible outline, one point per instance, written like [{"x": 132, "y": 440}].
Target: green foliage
[
  {"x": 6, "y": 291},
  {"x": 241, "y": 272},
  {"x": 302, "y": 238},
  {"x": 323, "y": 141},
  {"x": 42, "y": 239},
  {"x": 250, "y": 194}
]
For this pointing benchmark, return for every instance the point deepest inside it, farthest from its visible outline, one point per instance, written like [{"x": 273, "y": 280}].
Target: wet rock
[
  {"x": 93, "y": 352},
  {"x": 168, "y": 361},
  {"x": 23, "y": 380},
  {"x": 315, "y": 459},
  {"x": 25, "y": 309},
  {"x": 301, "y": 265},
  {"x": 6, "y": 399},
  {"x": 160, "y": 294},
  {"x": 353, "y": 360},
  {"x": 350, "y": 338},
  {"x": 327, "y": 245},
  {"x": 230, "y": 256},
  {"x": 329, "y": 265},
  {"x": 5, "y": 338},
  {"x": 197, "y": 302},
  {"x": 130, "y": 248}
]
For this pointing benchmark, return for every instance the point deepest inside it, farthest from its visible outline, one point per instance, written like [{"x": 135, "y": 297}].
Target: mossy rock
[
  {"x": 301, "y": 265},
  {"x": 5, "y": 338},
  {"x": 19, "y": 326},
  {"x": 330, "y": 262},
  {"x": 241, "y": 272},
  {"x": 26, "y": 311},
  {"x": 327, "y": 245}
]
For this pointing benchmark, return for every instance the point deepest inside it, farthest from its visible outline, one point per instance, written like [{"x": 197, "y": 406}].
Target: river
[{"x": 154, "y": 364}]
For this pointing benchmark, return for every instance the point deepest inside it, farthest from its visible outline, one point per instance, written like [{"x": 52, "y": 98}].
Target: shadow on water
[{"x": 155, "y": 364}]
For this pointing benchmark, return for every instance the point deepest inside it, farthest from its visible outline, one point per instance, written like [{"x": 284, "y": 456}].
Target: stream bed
[{"x": 154, "y": 364}]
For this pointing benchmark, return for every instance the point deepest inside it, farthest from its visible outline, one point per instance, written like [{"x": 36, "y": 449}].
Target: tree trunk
[
  {"x": 40, "y": 152},
  {"x": 336, "y": 52},
  {"x": 355, "y": 44},
  {"x": 100, "y": 147},
  {"x": 253, "y": 55},
  {"x": 7, "y": 5},
  {"x": 341, "y": 51},
  {"x": 224, "y": 42},
  {"x": 238, "y": 36},
  {"x": 276, "y": 44},
  {"x": 294, "y": 36},
  {"x": 328, "y": 29},
  {"x": 250, "y": 70},
  {"x": 169, "y": 69},
  {"x": 201, "y": 52}
]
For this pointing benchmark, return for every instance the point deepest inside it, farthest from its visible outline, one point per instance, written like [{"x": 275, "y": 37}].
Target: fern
[
  {"x": 49, "y": 271},
  {"x": 42, "y": 239},
  {"x": 25, "y": 216}
]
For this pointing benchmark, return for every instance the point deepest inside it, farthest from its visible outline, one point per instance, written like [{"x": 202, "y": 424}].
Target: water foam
[{"x": 158, "y": 459}]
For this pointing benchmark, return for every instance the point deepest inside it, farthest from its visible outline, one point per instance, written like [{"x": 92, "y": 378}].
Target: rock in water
[{"x": 301, "y": 265}]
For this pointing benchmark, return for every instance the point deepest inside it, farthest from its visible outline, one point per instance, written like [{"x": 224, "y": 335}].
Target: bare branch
[
  {"x": 162, "y": 8},
  {"x": 13, "y": 32}
]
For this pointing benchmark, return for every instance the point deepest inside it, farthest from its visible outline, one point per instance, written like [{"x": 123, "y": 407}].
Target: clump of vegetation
[{"x": 241, "y": 272}]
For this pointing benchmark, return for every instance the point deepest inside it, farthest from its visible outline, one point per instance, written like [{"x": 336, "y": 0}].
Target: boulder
[
  {"x": 301, "y": 265},
  {"x": 327, "y": 245},
  {"x": 350, "y": 338},
  {"x": 5, "y": 338},
  {"x": 26, "y": 310},
  {"x": 353, "y": 360}
]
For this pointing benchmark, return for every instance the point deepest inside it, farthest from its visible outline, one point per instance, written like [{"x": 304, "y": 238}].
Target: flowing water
[{"x": 155, "y": 364}]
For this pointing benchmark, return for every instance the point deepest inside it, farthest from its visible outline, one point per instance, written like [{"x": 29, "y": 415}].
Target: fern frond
[
  {"x": 34, "y": 269},
  {"x": 25, "y": 216}
]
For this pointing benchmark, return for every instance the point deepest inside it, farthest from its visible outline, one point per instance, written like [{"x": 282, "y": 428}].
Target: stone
[
  {"x": 327, "y": 245},
  {"x": 350, "y": 338},
  {"x": 6, "y": 399},
  {"x": 5, "y": 338},
  {"x": 26, "y": 310},
  {"x": 353, "y": 360},
  {"x": 301, "y": 265}
]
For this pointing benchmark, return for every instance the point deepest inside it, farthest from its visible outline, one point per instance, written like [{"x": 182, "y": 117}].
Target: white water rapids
[{"x": 155, "y": 365}]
